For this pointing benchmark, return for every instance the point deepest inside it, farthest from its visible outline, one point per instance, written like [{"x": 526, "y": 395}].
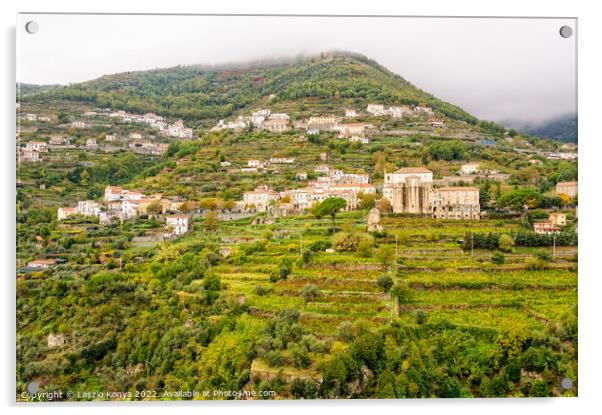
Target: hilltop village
[{"x": 406, "y": 190}]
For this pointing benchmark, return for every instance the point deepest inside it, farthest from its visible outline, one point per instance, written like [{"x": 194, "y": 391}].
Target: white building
[
  {"x": 39, "y": 146},
  {"x": 29, "y": 155},
  {"x": 414, "y": 176},
  {"x": 258, "y": 117},
  {"x": 545, "y": 228},
  {"x": 339, "y": 176},
  {"x": 423, "y": 110},
  {"x": 88, "y": 208},
  {"x": 64, "y": 212},
  {"x": 41, "y": 263},
  {"x": 351, "y": 129},
  {"x": 376, "y": 109},
  {"x": 151, "y": 118},
  {"x": 350, "y": 113},
  {"x": 91, "y": 143},
  {"x": 279, "y": 116},
  {"x": 80, "y": 124},
  {"x": 258, "y": 164},
  {"x": 282, "y": 160},
  {"x": 178, "y": 224},
  {"x": 299, "y": 198},
  {"x": 113, "y": 193},
  {"x": 398, "y": 112},
  {"x": 132, "y": 196},
  {"x": 469, "y": 168},
  {"x": 276, "y": 125},
  {"x": 260, "y": 198},
  {"x": 178, "y": 130},
  {"x": 365, "y": 188},
  {"x": 129, "y": 208},
  {"x": 57, "y": 140}
]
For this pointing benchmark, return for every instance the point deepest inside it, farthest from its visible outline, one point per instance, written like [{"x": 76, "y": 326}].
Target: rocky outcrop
[{"x": 373, "y": 221}]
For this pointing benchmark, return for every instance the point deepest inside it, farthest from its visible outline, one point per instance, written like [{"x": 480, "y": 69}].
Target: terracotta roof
[
  {"x": 567, "y": 183},
  {"x": 406, "y": 170}
]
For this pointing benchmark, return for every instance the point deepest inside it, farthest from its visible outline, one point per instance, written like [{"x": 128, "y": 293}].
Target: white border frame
[{"x": 590, "y": 283}]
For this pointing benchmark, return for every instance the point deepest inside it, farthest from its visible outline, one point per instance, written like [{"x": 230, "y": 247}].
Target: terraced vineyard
[
  {"x": 451, "y": 286},
  {"x": 449, "y": 283}
]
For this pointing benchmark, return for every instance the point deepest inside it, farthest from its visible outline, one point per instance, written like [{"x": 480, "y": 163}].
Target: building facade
[
  {"x": 567, "y": 188},
  {"x": 455, "y": 203},
  {"x": 410, "y": 190}
]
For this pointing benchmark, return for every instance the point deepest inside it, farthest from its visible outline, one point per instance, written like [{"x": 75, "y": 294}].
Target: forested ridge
[{"x": 199, "y": 93}]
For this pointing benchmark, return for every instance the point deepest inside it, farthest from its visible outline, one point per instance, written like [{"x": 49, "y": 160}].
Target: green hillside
[
  {"x": 28, "y": 89},
  {"x": 291, "y": 305},
  {"x": 199, "y": 93}
]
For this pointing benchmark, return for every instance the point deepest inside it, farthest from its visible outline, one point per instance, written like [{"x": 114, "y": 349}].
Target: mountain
[
  {"x": 27, "y": 89},
  {"x": 562, "y": 128},
  {"x": 204, "y": 94}
]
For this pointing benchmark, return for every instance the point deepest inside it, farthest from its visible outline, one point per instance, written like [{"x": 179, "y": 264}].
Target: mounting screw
[
  {"x": 566, "y": 31},
  {"x": 32, "y": 27}
]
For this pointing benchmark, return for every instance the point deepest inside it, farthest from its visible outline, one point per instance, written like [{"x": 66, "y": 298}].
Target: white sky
[{"x": 496, "y": 69}]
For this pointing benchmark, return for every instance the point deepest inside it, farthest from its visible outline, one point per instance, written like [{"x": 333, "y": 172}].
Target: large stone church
[{"x": 410, "y": 190}]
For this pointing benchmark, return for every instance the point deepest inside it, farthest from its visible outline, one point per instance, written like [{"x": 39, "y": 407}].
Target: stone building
[
  {"x": 373, "y": 221},
  {"x": 408, "y": 189},
  {"x": 276, "y": 125},
  {"x": 455, "y": 203},
  {"x": 260, "y": 199}
]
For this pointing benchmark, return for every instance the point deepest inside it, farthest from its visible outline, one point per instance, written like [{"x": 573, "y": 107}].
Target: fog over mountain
[
  {"x": 562, "y": 128},
  {"x": 496, "y": 69}
]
